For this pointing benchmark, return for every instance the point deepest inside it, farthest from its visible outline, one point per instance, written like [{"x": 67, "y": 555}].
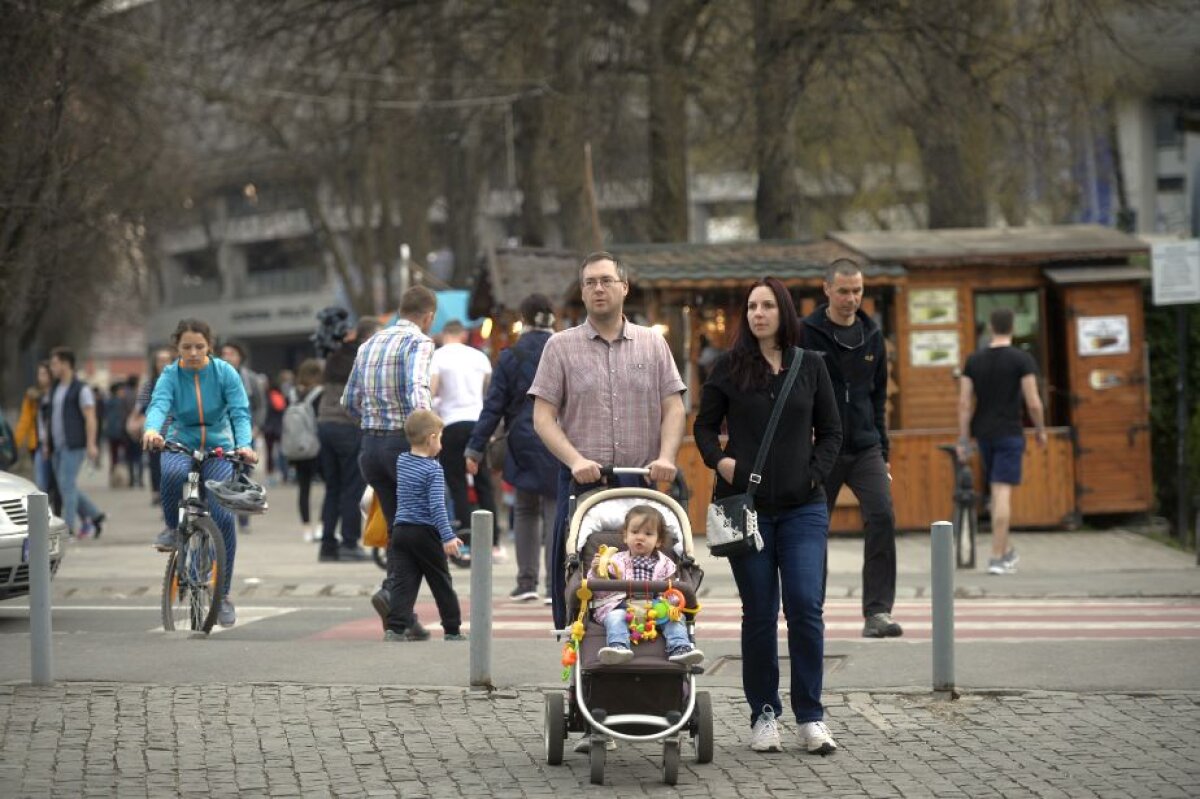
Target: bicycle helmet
[{"x": 239, "y": 494}]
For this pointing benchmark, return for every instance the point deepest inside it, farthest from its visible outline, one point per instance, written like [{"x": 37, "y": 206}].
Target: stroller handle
[{"x": 679, "y": 484}]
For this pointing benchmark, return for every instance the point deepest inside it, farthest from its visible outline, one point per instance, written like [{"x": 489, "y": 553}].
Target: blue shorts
[{"x": 1002, "y": 459}]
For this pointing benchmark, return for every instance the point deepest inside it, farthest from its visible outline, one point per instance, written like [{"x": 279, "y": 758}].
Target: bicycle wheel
[{"x": 193, "y": 580}]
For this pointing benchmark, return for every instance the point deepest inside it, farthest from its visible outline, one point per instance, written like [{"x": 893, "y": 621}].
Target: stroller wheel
[
  {"x": 554, "y": 728},
  {"x": 598, "y": 755},
  {"x": 702, "y": 727},
  {"x": 671, "y": 761}
]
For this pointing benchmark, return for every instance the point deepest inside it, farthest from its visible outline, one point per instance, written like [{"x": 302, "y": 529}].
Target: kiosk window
[{"x": 1028, "y": 333}]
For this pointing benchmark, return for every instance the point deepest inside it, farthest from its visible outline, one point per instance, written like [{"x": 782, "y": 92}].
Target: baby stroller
[{"x": 648, "y": 698}]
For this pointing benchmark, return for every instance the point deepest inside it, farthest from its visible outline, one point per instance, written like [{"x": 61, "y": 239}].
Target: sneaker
[
  {"x": 85, "y": 530},
  {"x": 615, "y": 655},
  {"x": 417, "y": 633},
  {"x": 584, "y": 744},
  {"x": 454, "y": 637},
  {"x": 328, "y": 557},
  {"x": 764, "y": 735},
  {"x": 547, "y": 600},
  {"x": 391, "y": 635},
  {"x": 499, "y": 555},
  {"x": 226, "y": 614},
  {"x": 165, "y": 542},
  {"x": 816, "y": 738},
  {"x": 523, "y": 595},
  {"x": 98, "y": 524},
  {"x": 881, "y": 625},
  {"x": 354, "y": 553},
  {"x": 687, "y": 655},
  {"x": 1004, "y": 565}
]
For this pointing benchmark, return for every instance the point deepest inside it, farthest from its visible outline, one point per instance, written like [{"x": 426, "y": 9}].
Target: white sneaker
[
  {"x": 226, "y": 614},
  {"x": 615, "y": 655},
  {"x": 764, "y": 735},
  {"x": 816, "y": 738}
]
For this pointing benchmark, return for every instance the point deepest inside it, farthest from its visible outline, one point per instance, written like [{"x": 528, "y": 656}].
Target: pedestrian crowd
[{"x": 793, "y": 411}]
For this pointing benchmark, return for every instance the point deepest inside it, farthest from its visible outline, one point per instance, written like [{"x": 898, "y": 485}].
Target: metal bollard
[
  {"x": 41, "y": 631},
  {"x": 482, "y": 525},
  {"x": 942, "y": 565}
]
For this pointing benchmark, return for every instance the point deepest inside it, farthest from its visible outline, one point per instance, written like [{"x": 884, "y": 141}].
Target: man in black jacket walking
[{"x": 856, "y": 357}]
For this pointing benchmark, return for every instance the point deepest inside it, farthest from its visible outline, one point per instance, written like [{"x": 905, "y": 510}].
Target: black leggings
[{"x": 305, "y": 471}]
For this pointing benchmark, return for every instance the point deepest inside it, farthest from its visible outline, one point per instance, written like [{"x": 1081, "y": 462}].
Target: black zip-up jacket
[
  {"x": 796, "y": 467},
  {"x": 862, "y": 392}
]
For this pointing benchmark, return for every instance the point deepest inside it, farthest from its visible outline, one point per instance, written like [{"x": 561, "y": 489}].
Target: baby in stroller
[{"x": 645, "y": 534}]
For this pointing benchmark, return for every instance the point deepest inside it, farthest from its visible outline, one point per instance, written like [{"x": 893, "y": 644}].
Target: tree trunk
[
  {"x": 668, "y": 124},
  {"x": 529, "y": 130},
  {"x": 776, "y": 200},
  {"x": 567, "y": 117}
]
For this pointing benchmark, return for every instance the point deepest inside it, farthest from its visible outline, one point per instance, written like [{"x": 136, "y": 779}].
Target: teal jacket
[{"x": 209, "y": 406}]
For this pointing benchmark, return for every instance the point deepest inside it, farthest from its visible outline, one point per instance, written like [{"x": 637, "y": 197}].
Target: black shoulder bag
[{"x": 732, "y": 527}]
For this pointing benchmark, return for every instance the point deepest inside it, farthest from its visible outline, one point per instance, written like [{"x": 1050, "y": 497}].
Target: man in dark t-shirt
[{"x": 997, "y": 379}]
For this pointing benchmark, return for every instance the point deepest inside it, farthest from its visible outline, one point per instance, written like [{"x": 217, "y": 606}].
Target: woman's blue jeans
[{"x": 793, "y": 557}]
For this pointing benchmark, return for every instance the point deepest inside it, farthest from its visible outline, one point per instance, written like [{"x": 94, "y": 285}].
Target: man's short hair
[
  {"x": 841, "y": 266},
  {"x": 416, "y": 301},
  {"x": 236, "y": 346},
  {"x": 601, "y": 255},
  {"x": 65, "y": 354},
  {"x": 454, "y": 327},
  {"x": 420, "y": 425},
  {"x": 1002, "y": 321}
]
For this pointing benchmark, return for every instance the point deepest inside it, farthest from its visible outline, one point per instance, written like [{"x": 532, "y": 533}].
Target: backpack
[{"x": 299, "y": 441}]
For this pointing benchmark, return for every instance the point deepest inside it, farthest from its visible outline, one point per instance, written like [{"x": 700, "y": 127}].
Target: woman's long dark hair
[{"x": 747, "y": 366}]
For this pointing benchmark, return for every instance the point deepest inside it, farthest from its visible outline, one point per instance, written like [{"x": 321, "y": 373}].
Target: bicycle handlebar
[{"x": 202, "y": 455}]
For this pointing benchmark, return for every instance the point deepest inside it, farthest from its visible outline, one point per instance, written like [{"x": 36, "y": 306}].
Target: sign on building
[{"x": 1176, "y": 272}]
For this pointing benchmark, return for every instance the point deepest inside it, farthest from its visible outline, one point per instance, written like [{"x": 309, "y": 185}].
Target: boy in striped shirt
[{"x": 421, "y": 536}]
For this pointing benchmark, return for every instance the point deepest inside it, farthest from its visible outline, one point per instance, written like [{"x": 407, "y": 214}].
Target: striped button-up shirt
[
  {"x": 390, "y": 378},
  {"x": 609, "y": 396}
]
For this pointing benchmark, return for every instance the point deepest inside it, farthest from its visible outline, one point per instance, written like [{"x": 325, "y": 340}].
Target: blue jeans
[
  {"x": 793, "y": 556},
  {"x": 616, "y": 631},
  {"x": 175, "y": 467},
  {"x": 66, "y": 464}
]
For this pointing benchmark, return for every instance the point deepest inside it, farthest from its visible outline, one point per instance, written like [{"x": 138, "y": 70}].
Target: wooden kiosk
[{"x": 1077, "y": 295}]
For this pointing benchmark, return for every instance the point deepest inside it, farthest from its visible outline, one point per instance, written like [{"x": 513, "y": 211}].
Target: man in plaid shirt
[{"x": 390, "y": 380}]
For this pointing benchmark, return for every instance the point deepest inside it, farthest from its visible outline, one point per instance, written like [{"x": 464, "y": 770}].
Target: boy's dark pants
[{"x": 417, "y": 552}]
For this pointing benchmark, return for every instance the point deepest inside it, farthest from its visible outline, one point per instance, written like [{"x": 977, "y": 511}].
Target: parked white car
[{"x": 14, "y": 536}]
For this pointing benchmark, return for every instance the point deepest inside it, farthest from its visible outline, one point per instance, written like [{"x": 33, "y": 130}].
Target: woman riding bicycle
[{"x": 205, "y": 398}]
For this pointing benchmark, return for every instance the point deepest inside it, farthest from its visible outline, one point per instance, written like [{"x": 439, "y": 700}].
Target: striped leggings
[{"x": 175, "y": 467}]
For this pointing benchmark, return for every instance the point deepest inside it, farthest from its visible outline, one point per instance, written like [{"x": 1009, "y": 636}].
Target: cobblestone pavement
[{"x": 275, "y": 740}]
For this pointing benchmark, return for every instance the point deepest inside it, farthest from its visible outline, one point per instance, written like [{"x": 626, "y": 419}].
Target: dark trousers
[
  {"x": 305, "y": 472},
  {"x": 377, "y": 461},
  {"x": 866, "y": 474},
  {"x": 344, "y": 484},
  {"x": 416, "y": 549},
  {"x": 454, "y": 464}
]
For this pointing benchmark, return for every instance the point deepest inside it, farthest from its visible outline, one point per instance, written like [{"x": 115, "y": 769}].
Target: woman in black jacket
[{"x": 792, "y": 517}]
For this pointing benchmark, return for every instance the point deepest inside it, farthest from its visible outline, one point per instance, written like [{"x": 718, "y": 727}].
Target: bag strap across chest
[{"x": 776, "y": 412}]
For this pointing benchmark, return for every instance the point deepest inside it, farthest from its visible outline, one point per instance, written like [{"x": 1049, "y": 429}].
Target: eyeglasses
[{"x": 606, "y": 282}]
